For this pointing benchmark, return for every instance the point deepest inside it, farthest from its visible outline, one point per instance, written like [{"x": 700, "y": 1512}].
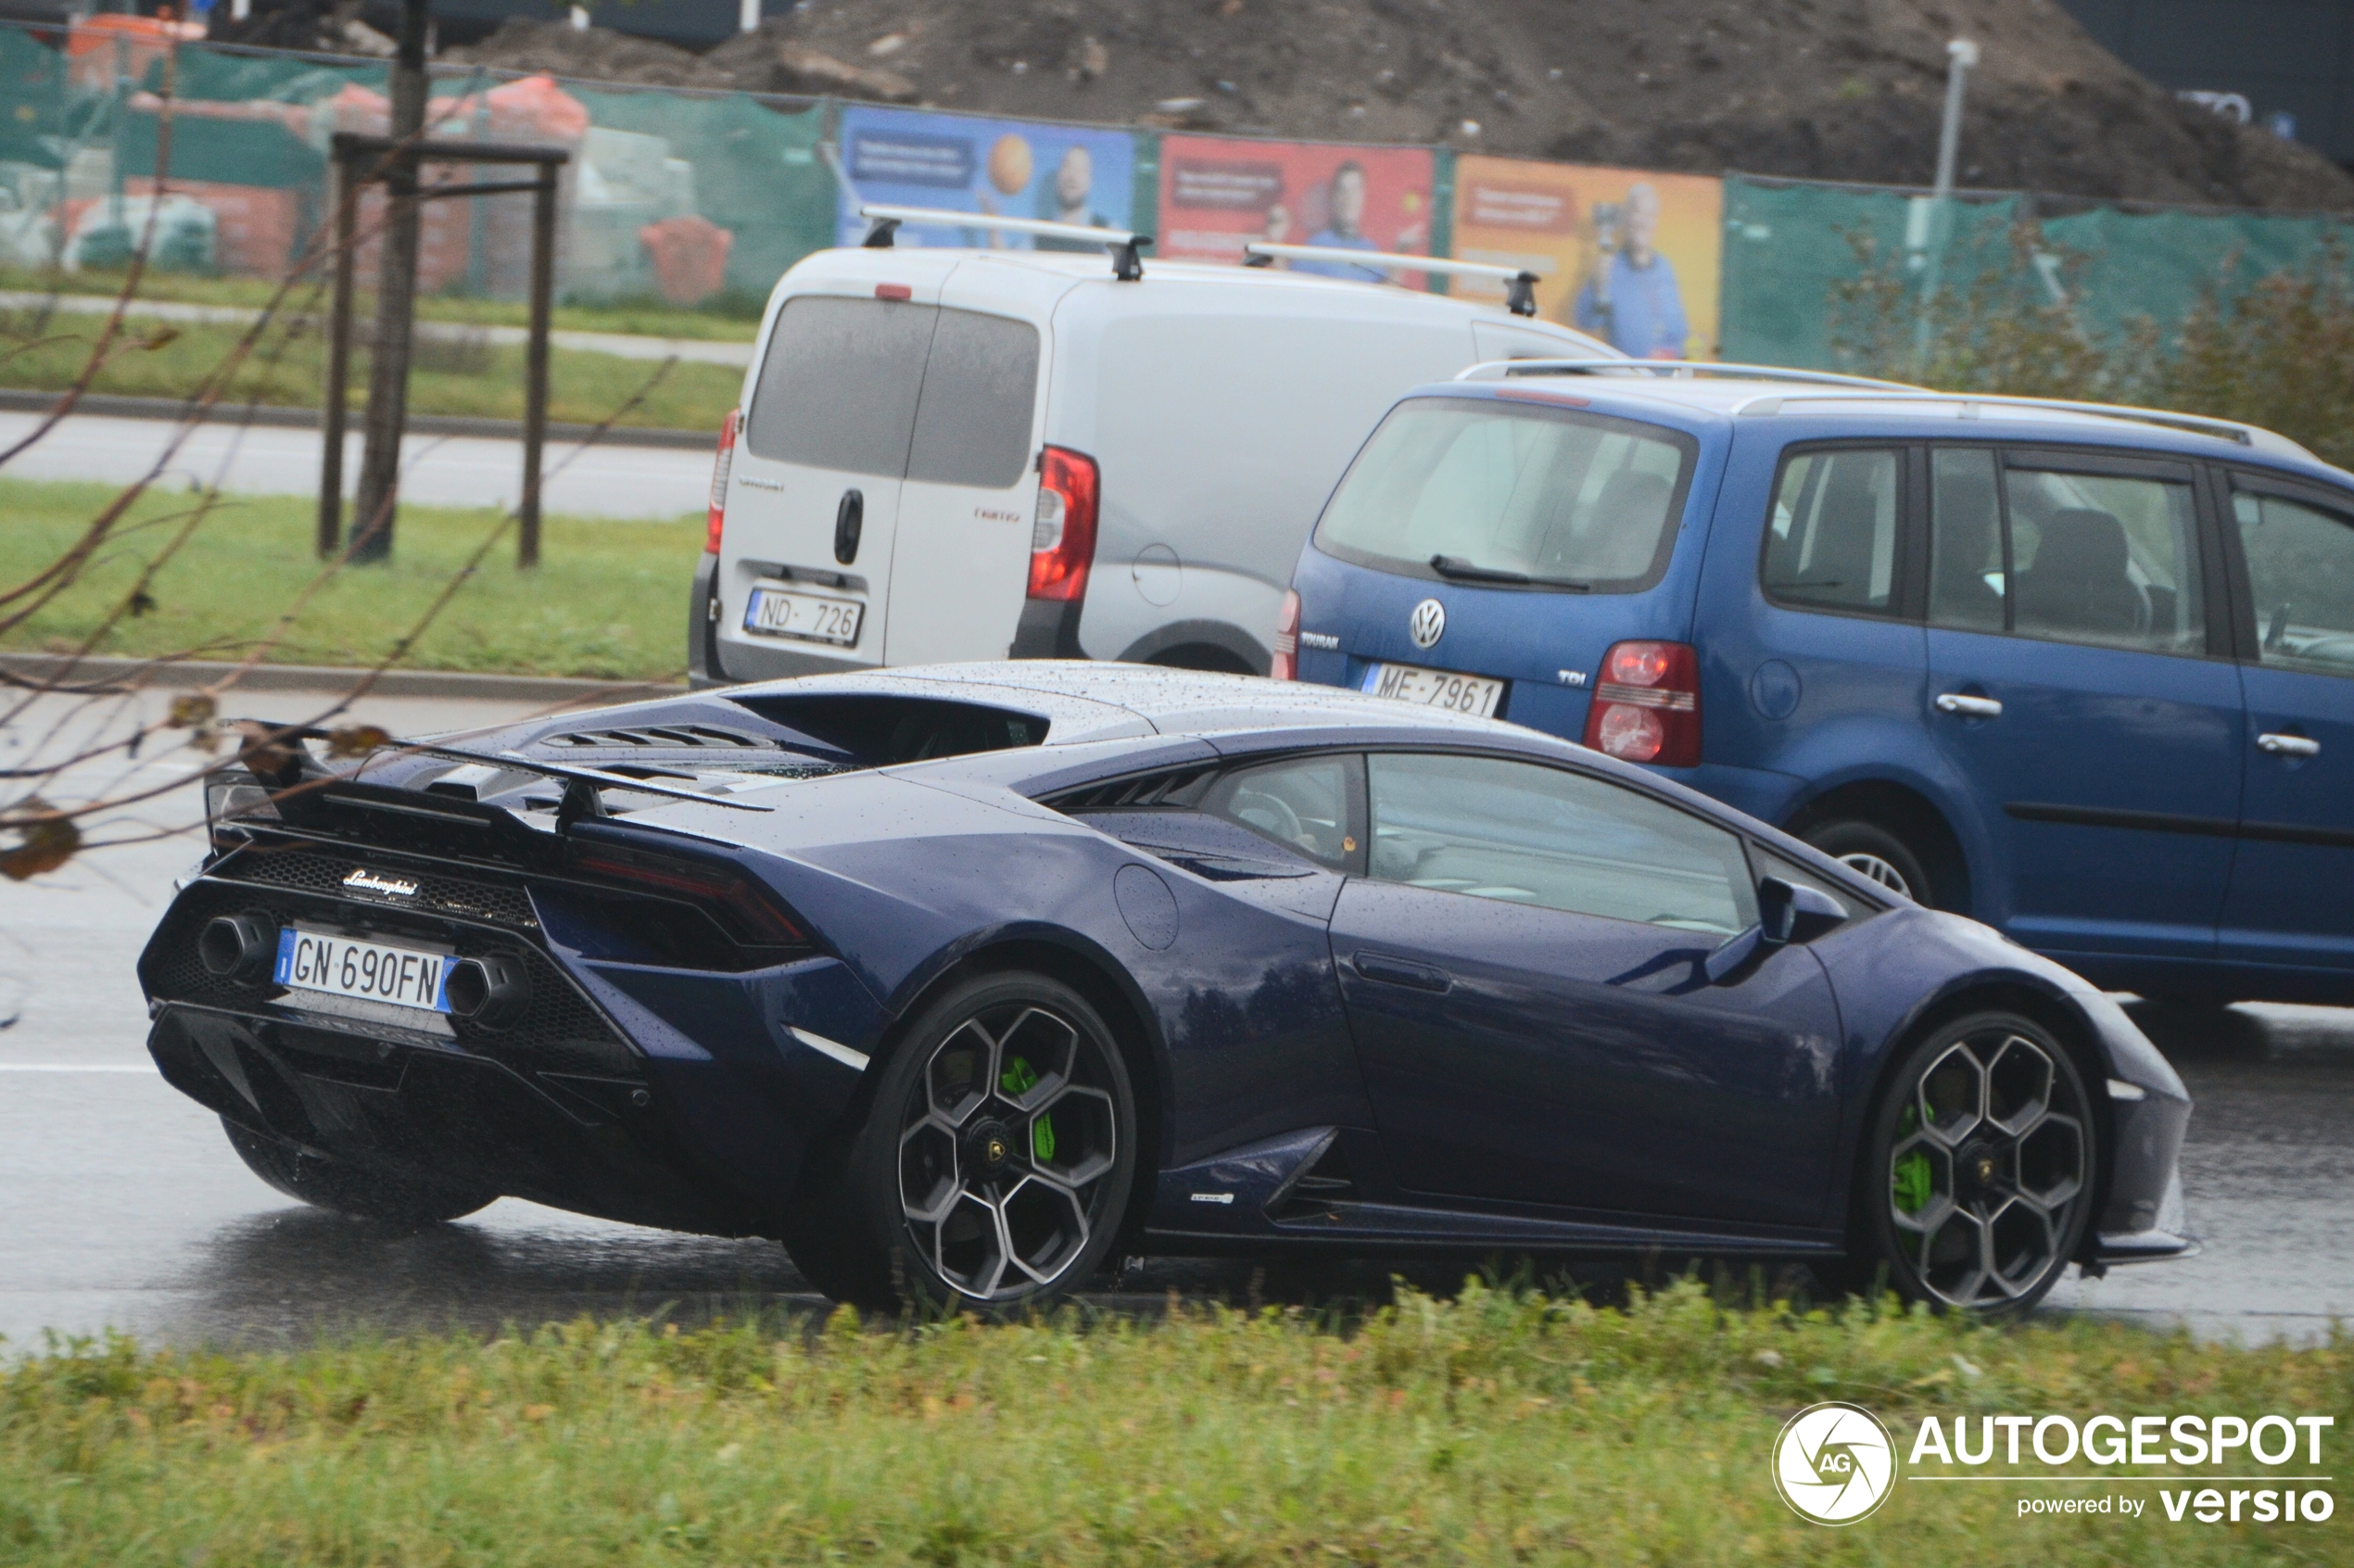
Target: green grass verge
[
  {"x": 728, "y": 318},
  {"x": 170, "y": 360},
  {"x": 1493, "y": 1428},
  {"x": 608, "y": 600}
]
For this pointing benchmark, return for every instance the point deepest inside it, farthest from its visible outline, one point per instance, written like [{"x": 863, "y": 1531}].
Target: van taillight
[
  {"x": 721, "y": 461},
  {"x": 1062, "y": 541},
  {"x": 1286, "y": 664},
  {"x": 1647, "y": 704}
]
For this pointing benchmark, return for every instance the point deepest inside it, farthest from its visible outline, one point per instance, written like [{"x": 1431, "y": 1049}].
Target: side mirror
[{"x": 1788, "y": 913}]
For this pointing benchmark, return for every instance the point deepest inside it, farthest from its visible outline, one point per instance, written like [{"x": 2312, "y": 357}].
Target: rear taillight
[
  {"x": 1647, "y": 704},
  {"x": 721, "y": 461},
  {"x": 1286, "y": 664},
  {"x": 1062, "y": 542},
  {"x": 747, "y": 910}
]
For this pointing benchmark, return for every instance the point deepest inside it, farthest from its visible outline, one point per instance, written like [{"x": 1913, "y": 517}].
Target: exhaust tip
[
  {"x": 492, "y": 989},
  {"x": 240, "y": 947}
]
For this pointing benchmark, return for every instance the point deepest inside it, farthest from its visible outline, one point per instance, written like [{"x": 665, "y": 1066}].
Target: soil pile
[{"x": 1819, "y": 89}]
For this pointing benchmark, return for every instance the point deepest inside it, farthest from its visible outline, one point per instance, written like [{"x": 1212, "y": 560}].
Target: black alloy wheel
[
  {"x": 1868, "y": 848},
  {"x": 995, "y": 1164},
  {"x": 407, "y": 1202},
  {"x": 1976, "y": 1182}
]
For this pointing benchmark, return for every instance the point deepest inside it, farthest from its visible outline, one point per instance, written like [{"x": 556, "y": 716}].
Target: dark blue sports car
[{"x": 959, "y": 981}]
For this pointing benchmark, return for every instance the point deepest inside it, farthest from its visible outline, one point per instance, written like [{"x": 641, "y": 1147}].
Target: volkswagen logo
[{"x": 1427, "y": 624}]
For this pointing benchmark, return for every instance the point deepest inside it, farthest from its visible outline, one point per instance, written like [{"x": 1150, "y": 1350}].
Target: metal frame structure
[
  {"x": 884, "y": 222},
  {"x": 351, "y": 152},
  {"x": 1679, "y": 369},
  {"x": 1520, "y": 284}
]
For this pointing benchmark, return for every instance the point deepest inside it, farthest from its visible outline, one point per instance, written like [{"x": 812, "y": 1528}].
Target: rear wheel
[
  {"x": 1874, "y": 851},
  {"x": 1977, "y": 1180},
  {"x": 324, "y": 1184},
  {"x": 994, "y": 1163}
]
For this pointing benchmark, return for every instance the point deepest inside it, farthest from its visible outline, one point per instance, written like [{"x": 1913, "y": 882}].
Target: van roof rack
[
  {"x": 1520, "y": 284},
  {"x": 1679, "y": 369},
  {"x": 1967, "y": 405},
  {"x": 1125, "y": 264}
]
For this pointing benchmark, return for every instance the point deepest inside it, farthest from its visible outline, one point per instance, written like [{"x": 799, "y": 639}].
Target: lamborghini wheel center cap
[{"x": 990, "y": 1145}]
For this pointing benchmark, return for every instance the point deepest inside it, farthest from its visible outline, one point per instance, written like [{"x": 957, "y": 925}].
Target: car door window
[
  {"x": 1301, "y": 803},
  {"x": 1966, "y": 541},
  {"x": 2104, "y": 559},
  {"x": 838, "y": 385},
  {"x": 1833, "y": 540},
  {"x": 2300, "y": 573},
  {"x": 981, "y": 385},
  {"x": 1527, "y": 834}
]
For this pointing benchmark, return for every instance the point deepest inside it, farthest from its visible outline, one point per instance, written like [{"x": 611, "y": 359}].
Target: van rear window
[
  {"x": 1516, "y": 494},
  {"x": 896, "y": 390}
]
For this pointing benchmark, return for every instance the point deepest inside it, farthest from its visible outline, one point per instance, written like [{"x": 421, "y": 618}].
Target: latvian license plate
[
  {"x": 815, "y": 617},
  {"x": 1475, "y": 695},
  {"x": 370, "y": 972}
]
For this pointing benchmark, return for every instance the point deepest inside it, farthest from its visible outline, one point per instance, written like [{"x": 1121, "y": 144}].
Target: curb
[
  {"x": 131, "y": 674},
  {"x": 107, "y": 405}
]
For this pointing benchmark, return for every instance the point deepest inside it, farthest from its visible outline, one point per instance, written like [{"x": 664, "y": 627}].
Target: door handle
[
  {"x": 1399, "y": 971},
  {"x": 2288, "y": 745},
  {"x": 1969, "y": 707},
  {"x": 850, "y": 521}
]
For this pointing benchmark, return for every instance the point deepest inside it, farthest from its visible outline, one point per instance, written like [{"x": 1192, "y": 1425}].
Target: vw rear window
[{"x": 1514, "y": 494}]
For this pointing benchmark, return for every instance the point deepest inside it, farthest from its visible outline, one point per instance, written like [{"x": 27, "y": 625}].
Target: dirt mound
[{"x": 1821, "y": 89}]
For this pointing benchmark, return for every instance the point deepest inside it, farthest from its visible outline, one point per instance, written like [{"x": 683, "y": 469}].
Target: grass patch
[
  {"x": 608, "y": 600},
  {"x": 1497, "y": 1427},
  {"x": 728, "y": 318},
  {"x": 171, "y": 359}
]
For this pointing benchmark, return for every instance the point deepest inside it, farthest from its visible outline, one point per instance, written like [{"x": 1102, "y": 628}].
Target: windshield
[{"x": 1513, "y": 493}]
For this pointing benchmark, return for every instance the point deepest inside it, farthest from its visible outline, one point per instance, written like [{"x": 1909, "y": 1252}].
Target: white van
[{"x": 953, "y": 454}]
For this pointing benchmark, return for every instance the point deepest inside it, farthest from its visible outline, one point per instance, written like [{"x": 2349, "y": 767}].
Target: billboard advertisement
[
  {"x": 1629, "y": 256},
  {"x": 1218, "y": 193},
  {"x": 905, "y": 158}
]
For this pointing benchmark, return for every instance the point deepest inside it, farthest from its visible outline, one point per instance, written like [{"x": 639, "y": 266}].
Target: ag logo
[
  {"x": 1834, "y": 1463},
  {"x": 1427, "y": 624}
]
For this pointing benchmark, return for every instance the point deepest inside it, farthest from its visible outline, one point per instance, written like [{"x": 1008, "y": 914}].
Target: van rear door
[
  {"x": 813, "y": 494},
  {"x": 961, "y": 552}
]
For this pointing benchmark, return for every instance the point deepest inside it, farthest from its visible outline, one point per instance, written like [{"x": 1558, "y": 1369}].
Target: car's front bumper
[{"x": 2144, "y": 1221}]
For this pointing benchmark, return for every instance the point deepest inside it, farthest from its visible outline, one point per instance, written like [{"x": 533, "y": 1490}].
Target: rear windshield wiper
[{"x": 1471, "y": 572}]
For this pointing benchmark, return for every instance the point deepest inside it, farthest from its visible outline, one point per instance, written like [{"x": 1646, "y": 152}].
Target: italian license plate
[
  {"x": 370, "y": 972},
  {"x": 813, "y": 617},
  {"x": 1475, "y": 695}
]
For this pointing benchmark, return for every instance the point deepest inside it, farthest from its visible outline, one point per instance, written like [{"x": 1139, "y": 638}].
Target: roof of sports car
[{"x": 1083, "y": 700}]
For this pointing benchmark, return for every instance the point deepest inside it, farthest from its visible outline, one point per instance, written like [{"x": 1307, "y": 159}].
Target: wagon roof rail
[{"x": 1678, "y": 370}]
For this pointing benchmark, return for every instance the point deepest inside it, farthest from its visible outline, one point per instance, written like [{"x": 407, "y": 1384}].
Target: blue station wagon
[{"x": 2083, "y": 673}]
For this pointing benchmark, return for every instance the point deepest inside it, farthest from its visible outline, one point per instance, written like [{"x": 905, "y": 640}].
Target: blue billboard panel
[{"x": 1005, "y": 169}]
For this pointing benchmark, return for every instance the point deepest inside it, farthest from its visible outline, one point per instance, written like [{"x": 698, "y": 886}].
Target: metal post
[
  {"x": 1961, "y": 55},
  {"x": 346, "y": 192},
  {"x": 535, "y": 385},
  {"x": 395, "y": 296}
]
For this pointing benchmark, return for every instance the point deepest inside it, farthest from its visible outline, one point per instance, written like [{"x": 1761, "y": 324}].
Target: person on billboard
[
  {"x": 1070, "y": 200},
  {"x": 1632, "y": 298},
  {"x": 1344, "y": 228}
]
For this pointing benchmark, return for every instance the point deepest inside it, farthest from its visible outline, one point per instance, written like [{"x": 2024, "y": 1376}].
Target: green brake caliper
[
  {"x": 1018, "y": 1079},
  {"x": 1911, "y": 1181}
]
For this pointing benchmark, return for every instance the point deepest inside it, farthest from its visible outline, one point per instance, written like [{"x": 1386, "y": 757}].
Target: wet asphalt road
[{"x": 121, "y": 1205}]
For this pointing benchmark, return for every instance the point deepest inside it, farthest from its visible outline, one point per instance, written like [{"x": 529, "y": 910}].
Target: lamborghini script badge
[{"x": 365, "y": 880}]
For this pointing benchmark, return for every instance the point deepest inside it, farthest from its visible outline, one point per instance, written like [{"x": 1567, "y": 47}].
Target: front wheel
[
  {"x": 1977, "y": 1180},
  {"x": 412, "y": 1202},
  {"x": 995, "y": 1160}
]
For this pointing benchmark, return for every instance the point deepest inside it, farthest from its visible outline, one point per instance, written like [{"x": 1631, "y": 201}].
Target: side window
[
  {"x": 981, "y": 387},
  {"x": 1832, "y": 540},
  {"x": 838, "y": 385},
  {"x": 2301, "y": 572},
  {"x": 1526, "y": 834},
  {"x": 2105, "y": 560},
  {"x": 1965, "y": 541},
  {"x": 1301, "y": 804}
]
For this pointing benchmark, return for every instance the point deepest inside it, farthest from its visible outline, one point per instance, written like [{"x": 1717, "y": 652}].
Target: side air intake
[{"x": 1317, "y": 1189}]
